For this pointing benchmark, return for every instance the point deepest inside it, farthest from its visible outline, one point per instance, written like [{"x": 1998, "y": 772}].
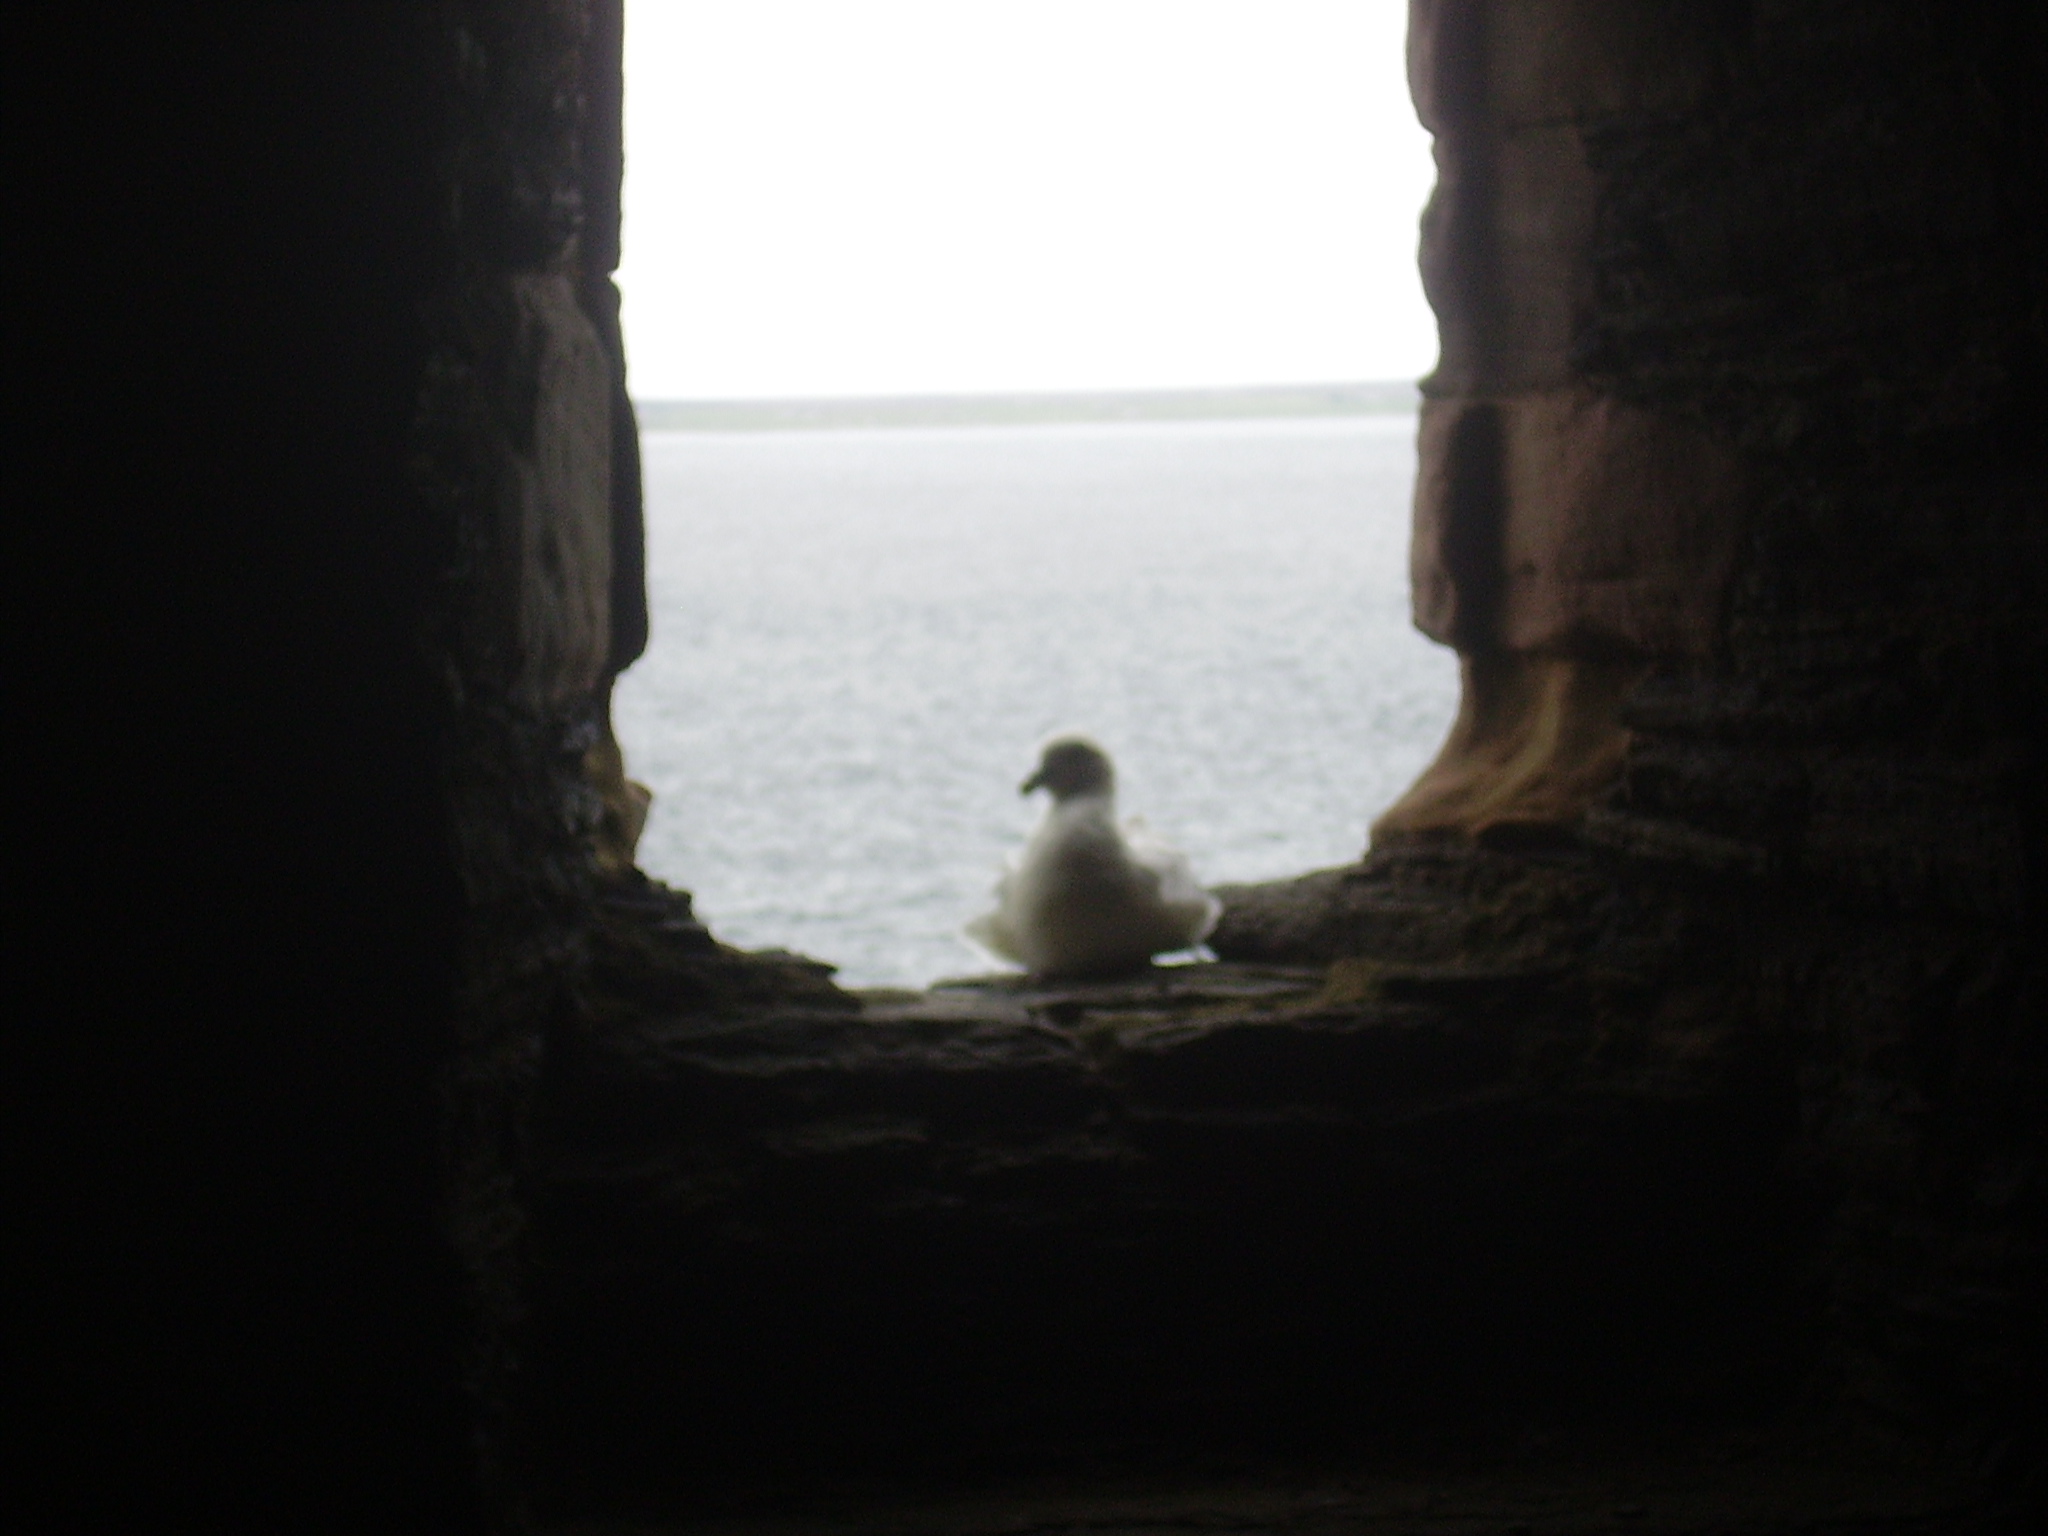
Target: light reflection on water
[{"x": 860, "y": 636}]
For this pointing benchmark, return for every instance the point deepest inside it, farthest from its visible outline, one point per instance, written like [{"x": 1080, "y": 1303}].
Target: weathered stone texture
[
  {"x": 1815, "y": 277},
  {"x": 1553, "y": 520},
  {"x": 524, "y": 449},
  {"x": 516, "y": 428},
  {"x": 1559, "y": 61},
  {"x": 1537, "y": 738},
  {"x": 1219, "y": 1206},
  {"x": 1615, "y": 529},
  {"x": 1504, "y": 245}
]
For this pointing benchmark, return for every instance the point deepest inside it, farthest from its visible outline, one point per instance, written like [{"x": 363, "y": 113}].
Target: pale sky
[{"x": 829, "y": 197}]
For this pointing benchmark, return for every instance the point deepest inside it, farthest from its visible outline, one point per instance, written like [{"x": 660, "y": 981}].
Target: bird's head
[{"x": 1071, "y": 765}]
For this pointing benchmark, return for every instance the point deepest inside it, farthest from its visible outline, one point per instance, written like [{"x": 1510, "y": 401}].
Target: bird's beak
[{"x": 1036, "y": 781}]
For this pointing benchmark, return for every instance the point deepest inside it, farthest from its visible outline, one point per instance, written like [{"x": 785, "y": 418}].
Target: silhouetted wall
[
  {"x": 1732, "y": 501},
  {"x": 325, "y": 421}
]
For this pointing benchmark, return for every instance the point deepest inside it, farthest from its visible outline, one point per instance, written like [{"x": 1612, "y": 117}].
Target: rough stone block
[
  {"x": 1453, "y": 551},
  {"x": 1621, "y": 528},
  {"x": 1504, "y": 259},
  {"x": 1542, "y": 232},
  {"x": 1445, "y": 57},
  {"x": 1611, "y": 528},
  {"x": 561, "y": 486},
  {"x": 1560, "y": 60},
  {"x": 1537, "y": 738},
  {"x": 1514, "y": 63}
]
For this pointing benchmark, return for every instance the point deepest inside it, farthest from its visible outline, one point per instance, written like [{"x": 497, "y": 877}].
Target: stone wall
[
  {"x": 1833, "y": 264},
  {"x": 1566, "y": 536},
  {"x": 1732, "y": 502},
  {"x": 337, "y": 505},
  {"x": 525, "y": 457}
]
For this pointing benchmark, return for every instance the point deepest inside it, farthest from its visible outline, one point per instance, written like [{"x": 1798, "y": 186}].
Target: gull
[{"x": 1085, "y": 897}]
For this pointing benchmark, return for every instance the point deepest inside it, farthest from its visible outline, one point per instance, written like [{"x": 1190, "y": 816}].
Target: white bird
[{"x": 1086, "y": 898}]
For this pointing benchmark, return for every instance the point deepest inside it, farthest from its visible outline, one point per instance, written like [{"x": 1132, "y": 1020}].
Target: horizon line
[{"x": 985, "y": 407}]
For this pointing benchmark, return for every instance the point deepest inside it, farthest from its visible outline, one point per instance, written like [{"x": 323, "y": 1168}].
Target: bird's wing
[
  {"x": 1193, "y": 908},
  {"x": 992, "y": 930}
]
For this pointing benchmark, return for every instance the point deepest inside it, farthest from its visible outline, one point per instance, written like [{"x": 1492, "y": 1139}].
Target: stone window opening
[
  {"x": 1339, "y": 804},
  {"x": 1065, "y": 1184}
]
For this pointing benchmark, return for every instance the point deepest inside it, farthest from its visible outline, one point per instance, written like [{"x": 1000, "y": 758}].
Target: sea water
[{"x": 860, "y": 637}]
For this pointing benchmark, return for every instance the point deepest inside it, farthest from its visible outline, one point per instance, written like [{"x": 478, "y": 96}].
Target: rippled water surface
[{"x": 860, "y": 636}]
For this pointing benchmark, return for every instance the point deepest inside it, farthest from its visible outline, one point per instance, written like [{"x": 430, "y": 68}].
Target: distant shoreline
[{"x": 1280, "y": 400}]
